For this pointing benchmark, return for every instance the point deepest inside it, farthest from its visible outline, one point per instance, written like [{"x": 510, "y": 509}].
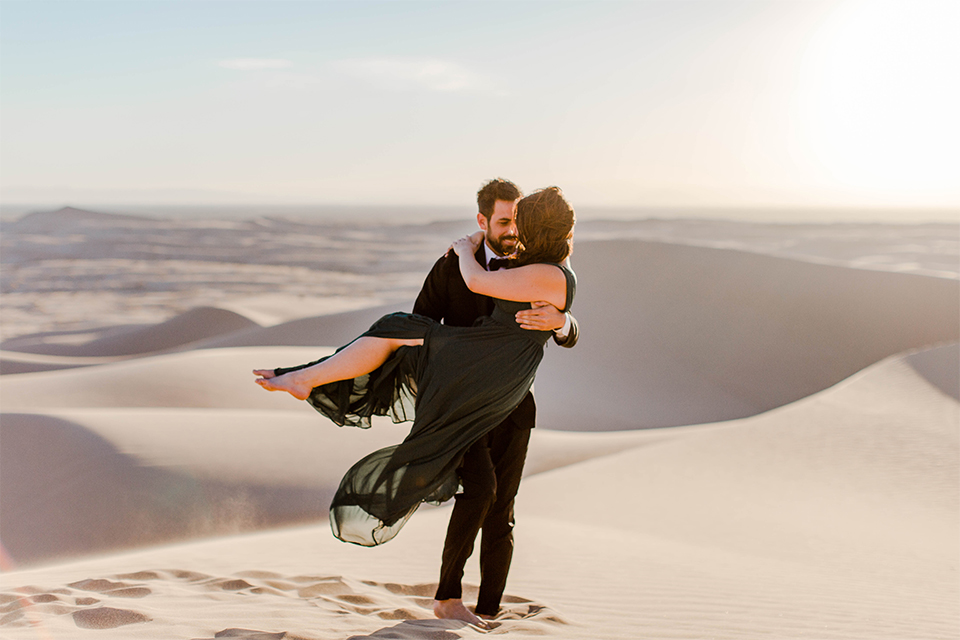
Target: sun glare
[{"x": 879, "y": 100}]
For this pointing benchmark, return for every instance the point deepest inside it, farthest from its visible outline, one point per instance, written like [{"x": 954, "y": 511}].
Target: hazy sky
[{"x": 643, "y": 103}]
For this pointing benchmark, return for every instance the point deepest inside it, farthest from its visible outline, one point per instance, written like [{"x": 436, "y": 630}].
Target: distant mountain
[{"x": 45, "y": 221}]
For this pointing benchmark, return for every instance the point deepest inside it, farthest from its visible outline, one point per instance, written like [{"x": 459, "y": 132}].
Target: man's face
[{"x": 500, "y": 231}]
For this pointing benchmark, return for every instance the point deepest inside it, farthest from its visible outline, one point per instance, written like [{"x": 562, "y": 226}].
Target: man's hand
[{"x": 542, "y": 317}]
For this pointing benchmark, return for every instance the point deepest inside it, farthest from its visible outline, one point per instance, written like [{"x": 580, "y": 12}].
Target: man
[{"x": 491, "y": 468}]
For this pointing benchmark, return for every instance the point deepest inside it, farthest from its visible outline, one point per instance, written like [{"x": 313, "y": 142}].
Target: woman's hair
[{"x": 545, "y": 226}]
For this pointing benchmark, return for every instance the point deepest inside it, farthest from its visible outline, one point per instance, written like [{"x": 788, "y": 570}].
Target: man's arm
[
  {"x": 570, "y": 339},
  {"x": 543, "y": 316},
  {"x": 433, "y": 299}
]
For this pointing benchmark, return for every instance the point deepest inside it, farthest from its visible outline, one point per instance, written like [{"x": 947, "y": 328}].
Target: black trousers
[{"x": 490, "y": 475}]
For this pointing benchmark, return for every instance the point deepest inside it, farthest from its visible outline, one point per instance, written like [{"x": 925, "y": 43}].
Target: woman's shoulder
[
  {"x": 571, "y": 279},
  {"x": 565, "y": 268}
]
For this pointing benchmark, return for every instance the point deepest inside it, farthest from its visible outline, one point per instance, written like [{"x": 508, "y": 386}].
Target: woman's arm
[{"x": 529, "y": 283}]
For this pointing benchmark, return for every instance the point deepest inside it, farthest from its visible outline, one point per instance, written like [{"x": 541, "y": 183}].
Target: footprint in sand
[
  {"x": 106, "y": 618},
  {"x": 140, "y": 575},
  {"x": 407, "y": 604},
  {"x": 235, "y": 584},
  {"x": 246, "y": 634},
  {"x": 61, "y": 601},
  {"x": 192, "y": 576},
  {"x": 44, "y": 597},
  {"x": 115, "y": 589}
]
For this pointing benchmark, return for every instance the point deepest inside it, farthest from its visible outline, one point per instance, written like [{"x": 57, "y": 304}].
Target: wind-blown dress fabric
[{"x": 461, "y": 383}]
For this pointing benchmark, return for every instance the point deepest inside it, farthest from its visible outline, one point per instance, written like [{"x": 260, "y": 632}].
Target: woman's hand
[{"x": 468, "y": 245}]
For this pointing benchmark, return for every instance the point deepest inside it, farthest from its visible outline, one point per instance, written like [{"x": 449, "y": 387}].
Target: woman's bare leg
[{"x": 362, "y": 356}]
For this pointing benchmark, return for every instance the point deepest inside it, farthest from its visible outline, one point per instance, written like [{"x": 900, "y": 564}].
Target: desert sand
[{"x": 757, "y": 437}]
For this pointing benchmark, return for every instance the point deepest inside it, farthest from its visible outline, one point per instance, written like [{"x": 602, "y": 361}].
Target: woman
[{"x": 461, "y": 381}]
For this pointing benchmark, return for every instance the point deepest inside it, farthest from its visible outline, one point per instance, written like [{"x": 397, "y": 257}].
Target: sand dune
[
  {"x": 815, "y": 495},
  {"x": 74, "y": 269},
  {"x": 939, "y": 367},
  {"x": 178, "y": 332},
  {"x": 77, "y": 271},
  {"x": 671, "y": 335},
  {"x": 334, "y": 329},
  {"x": 201, "y": 378},
  {"x": 835, "y": 516},
  {"x": 76, "y": 481},
  {"x": 674, "y": 335},
  {"x": 203, "y": 328},
  {"x": 12, "y": 362},
  {"x": 80, "y": 481},
  {"x": 876, "y": 456}
]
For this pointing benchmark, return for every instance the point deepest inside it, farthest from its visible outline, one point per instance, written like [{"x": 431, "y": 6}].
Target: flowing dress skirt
[{"x": 461, "y": 383}]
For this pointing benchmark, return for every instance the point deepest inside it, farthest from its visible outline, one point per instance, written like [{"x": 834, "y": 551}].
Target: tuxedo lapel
[
  {"x": 481, "y": 256},
  {"x": 484, "y": 304}
]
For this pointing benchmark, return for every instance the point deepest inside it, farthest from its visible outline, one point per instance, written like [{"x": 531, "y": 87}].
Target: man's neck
[{"x": 489, "y": 253}]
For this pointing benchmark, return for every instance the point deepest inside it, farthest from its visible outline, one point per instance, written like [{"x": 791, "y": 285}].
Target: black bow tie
[{"x": 496, "y": 263}]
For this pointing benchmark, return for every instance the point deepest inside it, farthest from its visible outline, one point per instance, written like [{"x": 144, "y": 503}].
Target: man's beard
[{"x": 497, "y": 245}]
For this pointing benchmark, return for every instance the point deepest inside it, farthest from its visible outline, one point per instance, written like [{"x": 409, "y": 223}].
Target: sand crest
[
  {"x": 180, "y": 331},
  {"x": 77, "y": 481},
  {"x": 677, "y": 335},
  {"x": 200, "y": 378},
  {"x": 777, "y": 330}
]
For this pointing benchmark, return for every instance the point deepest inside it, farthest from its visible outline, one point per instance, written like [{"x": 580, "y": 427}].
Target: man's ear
[{"x": 482, "y": 221}]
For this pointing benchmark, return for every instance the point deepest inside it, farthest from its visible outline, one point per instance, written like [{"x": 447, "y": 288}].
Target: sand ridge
[
  {"x": 676, "y": 335},
  {"x": 80, "y": 270},
  {"x": 777, "y": 330},
  {"x": 231, "y": 470},
  {"x": 180, "y": 331}
]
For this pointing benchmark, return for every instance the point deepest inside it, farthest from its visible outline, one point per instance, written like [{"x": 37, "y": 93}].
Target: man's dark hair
[{"x": 497, "y": 189}]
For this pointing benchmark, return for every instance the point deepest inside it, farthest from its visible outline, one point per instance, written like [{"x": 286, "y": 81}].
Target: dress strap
[{"x": 571, "y": 284}]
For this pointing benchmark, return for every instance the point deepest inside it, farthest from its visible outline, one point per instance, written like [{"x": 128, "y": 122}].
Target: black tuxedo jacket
[{"x": 446, "y": 298}]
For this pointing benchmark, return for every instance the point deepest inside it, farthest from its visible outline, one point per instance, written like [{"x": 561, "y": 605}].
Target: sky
[{"x": 668, "y": 103}]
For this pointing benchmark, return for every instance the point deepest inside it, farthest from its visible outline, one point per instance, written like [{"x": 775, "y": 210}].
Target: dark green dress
[{"x": 461, "y": 383}]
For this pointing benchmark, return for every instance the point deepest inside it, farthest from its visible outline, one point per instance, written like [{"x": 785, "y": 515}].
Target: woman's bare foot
[
  {"x": 454, "y": 609},
  {"x": 287, "y": 382}
]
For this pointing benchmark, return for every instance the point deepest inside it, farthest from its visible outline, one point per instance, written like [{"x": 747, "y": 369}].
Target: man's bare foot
[
  {"x": 265, "y": 373},
  {"x": 454, "y": 609},
  {"x": 287, "y": 382}
]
